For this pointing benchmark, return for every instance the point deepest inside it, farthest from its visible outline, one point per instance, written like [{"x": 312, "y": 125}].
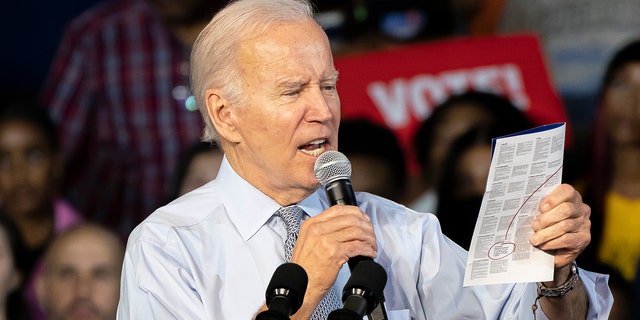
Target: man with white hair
[{"x": 264, "y": 80}]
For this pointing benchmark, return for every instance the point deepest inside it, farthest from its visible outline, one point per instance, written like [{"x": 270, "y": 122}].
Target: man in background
[{"x": 81, "y": 275}]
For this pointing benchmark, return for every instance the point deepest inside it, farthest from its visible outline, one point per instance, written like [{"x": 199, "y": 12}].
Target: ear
[{"x": 221, "y": 113}]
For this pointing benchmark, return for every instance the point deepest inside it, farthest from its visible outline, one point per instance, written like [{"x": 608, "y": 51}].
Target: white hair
[{"x": 214, "y": 53}]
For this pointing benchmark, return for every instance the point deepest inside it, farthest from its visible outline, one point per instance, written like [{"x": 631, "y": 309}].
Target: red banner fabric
[{"x": 400, "y": 87}]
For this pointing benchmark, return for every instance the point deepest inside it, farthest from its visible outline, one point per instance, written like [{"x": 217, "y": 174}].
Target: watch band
[{"x": 563, "y": 289}]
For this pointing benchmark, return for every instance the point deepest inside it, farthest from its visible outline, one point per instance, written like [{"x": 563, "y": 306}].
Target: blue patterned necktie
[{"x": 292, "y": 217}]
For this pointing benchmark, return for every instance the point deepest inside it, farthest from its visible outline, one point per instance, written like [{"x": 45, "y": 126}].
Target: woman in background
[
  {"x": 612, "y": 181},
  {"x": 30, "y": 175}
]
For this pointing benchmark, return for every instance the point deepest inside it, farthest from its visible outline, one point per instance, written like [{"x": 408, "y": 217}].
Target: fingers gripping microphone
[
  {"x": 363, "y": 291},
  {"x": 333, "y": 171},
  {"x": 285, "y": 292}
]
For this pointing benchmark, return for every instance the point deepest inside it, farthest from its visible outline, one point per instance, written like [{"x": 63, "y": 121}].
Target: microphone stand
[{"x": 379, "y": 313}]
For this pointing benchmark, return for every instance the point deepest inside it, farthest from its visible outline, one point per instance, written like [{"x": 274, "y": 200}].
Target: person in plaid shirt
[{"x": 118, "y": 91}]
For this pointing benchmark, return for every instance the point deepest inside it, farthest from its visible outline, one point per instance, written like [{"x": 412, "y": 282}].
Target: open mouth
[{"x": 314, "y": 148}]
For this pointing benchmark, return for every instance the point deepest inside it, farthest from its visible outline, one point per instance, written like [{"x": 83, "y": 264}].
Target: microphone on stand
[
  {"x": 362, "y": 293},
  {"x": 333, "y": 171},
  {"x": 285, "y": 292}
]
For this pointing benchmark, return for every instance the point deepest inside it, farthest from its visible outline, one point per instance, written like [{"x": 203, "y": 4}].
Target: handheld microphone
[
  {"x": 285, "y": 292},
  {"x": 333, "y": 171},
  {"x": 362, "y": 293}
]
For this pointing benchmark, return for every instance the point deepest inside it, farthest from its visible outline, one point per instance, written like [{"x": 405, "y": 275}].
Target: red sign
[{"x": 401, "y": 87}]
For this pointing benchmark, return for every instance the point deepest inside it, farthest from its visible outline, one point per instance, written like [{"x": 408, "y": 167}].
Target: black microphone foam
[
  {"x": 285, "y": 292},
  {"x": 362, "y": 293},
  {"x": 367, "y": 280}
]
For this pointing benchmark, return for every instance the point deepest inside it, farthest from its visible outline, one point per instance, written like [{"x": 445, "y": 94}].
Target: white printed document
[{"x": 525, "y": 167}]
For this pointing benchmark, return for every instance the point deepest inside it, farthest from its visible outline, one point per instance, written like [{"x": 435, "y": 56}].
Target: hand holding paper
[
  {"x": 563, "y": 227},
  {"x": 525, "y": 168}
]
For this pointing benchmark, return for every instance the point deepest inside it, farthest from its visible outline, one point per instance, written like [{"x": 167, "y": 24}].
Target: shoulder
[
  {"x": 192, "y": 213},
  {"x": 385, "y": 212}
]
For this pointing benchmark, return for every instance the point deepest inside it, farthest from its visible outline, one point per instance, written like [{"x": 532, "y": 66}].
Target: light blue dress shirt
[{"x": 211, "y": 253}]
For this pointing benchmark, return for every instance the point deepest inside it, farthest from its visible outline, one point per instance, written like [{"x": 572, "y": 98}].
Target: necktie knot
[{"x": 292, "y": 216}]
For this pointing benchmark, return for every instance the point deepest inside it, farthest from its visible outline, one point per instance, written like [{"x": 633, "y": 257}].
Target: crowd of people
[{"x": 159, "y": 128}]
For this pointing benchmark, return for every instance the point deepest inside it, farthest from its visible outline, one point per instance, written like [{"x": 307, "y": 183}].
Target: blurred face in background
[
  {"x": 81, "y": 278},
  {"x": 472, "y": 170},
  {"x": 28, "y": 169},
  {"x": 371, "y": 175},
  {"x": 622, "y": 105},
  {"x": 458, "y": 120},
  {"x": 203, "y": 168}
]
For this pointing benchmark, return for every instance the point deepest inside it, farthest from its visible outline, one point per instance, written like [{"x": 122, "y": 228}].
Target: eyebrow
[
  {"x": 332, "y": 77},
  {"x": 285, "y": 83}
]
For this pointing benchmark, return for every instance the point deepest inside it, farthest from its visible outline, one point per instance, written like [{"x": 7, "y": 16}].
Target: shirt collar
[{"x": 248, "y": 208}]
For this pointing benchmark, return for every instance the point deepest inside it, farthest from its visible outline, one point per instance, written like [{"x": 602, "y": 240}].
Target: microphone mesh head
[{"x": 330, "y": 166}]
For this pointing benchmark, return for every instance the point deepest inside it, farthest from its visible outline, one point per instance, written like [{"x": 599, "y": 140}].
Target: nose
[
  {"x": 83, "y": 288},
  {"x": 322, "y": 106},
  {"x": 19, "y": 172}
]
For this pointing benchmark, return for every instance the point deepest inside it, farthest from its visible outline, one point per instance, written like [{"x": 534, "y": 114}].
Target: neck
[
  {"x": 35, "y": 229},
  {"x": 284, "y": 196}
]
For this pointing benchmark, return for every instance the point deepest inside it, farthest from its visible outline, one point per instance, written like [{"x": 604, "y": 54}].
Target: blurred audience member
[
  {"x": 198, "y": 166},
  {"x": 449, "y": 121},
  {"x": 118, "y": 91},
  {"x": 613, "y": 179},
  {"x": 12, "y": 306},
  {"x": 30, "y": 172},
  {"x": 466, "y": 168},
  {"x": 81, "y": 274},
  {"x": 377, "y": 160},
  {"x": 578, "y": 37}
]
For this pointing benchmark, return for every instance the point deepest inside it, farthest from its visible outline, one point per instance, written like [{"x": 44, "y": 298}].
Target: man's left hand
[{"x": 563, "y": 227}]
